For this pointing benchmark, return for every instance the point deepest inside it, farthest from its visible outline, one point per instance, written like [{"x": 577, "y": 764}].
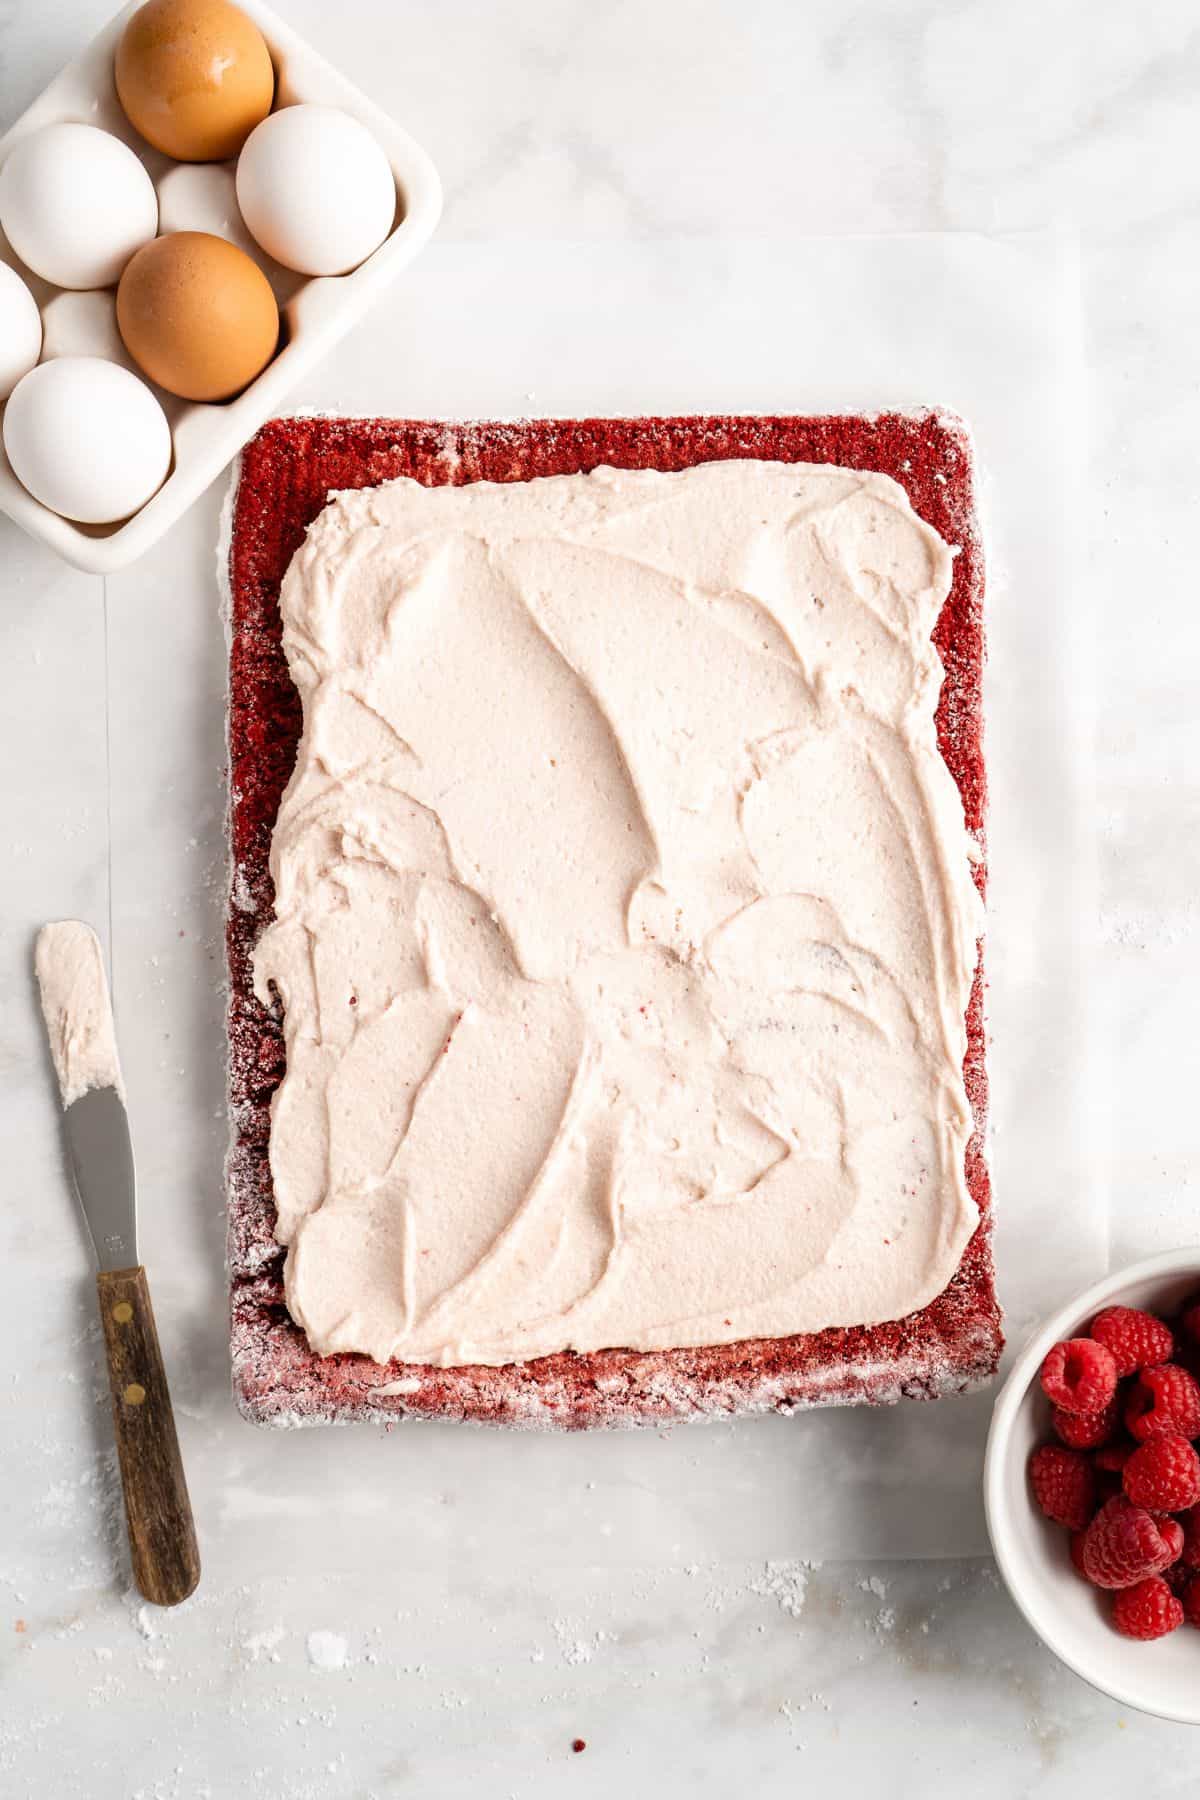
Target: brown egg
[
  {"x": 194, "y": 77},
  {"x": 197, "y": 315}
]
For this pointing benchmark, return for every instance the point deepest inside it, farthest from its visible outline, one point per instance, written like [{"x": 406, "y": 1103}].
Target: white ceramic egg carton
[{"x": 316, "y": 311}]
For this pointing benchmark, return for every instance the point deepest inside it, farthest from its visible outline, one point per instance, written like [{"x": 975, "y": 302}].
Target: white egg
[
  {"x": 316, "y": 189},
  {"x": 75, "y": 203},
  {"x": 20, "y": 330},
  {"x": 87, "y": 439}
]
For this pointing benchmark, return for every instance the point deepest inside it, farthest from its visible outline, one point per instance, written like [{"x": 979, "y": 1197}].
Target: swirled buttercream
[{"x": 624, "y": 922}]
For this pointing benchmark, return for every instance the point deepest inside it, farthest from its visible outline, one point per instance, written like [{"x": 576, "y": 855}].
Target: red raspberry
[
  {"x": 1124, "y": 1545},
  {"x": 1108, "y": 1486},
  {"x": 1114, "y": 1456},
  {"x": 1137, "y": 1340},
  {"x": 1178, "y": 1579},
  {"x": 1086, "y": 1431},
  {"x": 1064, "y": 1485},
  {"x": 1189, "y": 1320},
  {"x": 1190, "y": 1524},
  {"x": 1079, "y": 1376},
  {"x": 1164, "y": 1399},
  {"x": 1147, "y": 1610},
  {"x": 1078, "y": 1540},
  {"x": 1191, "y": 1601},
  {"x": 1163, "y": 1474}
]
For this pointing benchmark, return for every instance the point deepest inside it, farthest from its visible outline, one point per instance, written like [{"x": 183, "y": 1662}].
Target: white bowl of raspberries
[{"x": 1092, "y": 1485}]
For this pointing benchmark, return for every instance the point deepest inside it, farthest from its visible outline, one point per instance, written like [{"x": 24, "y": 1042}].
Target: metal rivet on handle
[
  {"x": 134, "y": 1394},
  {"x": 122, "y": 1312}
]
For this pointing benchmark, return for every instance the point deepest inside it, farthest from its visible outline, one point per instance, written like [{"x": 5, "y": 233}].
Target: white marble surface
[{"x": 480, "y": 1618}]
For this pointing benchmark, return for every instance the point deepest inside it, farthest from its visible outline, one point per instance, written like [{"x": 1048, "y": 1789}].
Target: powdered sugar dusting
[
  {"x": 263, "y": 1646},
  {"x": 146, "y": 1624},
  {"x": 326, "y": 1650},
  {"x": 786, "y": 1583}
]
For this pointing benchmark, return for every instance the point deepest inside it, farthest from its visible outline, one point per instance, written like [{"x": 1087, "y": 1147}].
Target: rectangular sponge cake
[{"x": 286, "y": 475}]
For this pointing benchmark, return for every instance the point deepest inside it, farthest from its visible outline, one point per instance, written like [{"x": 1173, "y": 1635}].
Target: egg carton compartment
[{"x": 315, "y": 311}]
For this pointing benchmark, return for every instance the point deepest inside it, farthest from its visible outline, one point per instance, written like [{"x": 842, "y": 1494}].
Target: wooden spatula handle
[{"x": 162, "y": 1533}]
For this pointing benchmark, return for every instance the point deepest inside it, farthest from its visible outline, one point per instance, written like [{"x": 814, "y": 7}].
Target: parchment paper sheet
[{"x": 986, "y": 326}]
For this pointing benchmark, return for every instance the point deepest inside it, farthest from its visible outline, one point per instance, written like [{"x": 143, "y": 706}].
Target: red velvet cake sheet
[{"x": 287, "y": 472}]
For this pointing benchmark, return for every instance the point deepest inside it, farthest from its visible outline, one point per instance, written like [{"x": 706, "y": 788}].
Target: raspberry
[
  {"x": 1163, "y": 1474},
  {"x": 1137, "y": 1340},
  {"x": 1114, "y": 1456},
  {"x": 1086, "y": 1431},
  {"x": 1191, "y": 1601},
  {"x": 1124, "y": 1544},
  {"x": 1178, "y": 1579},
  {"x": 1079, "y": 1376},
  {"x": 1147, "y": 1610},
  {"x": 1190, "y": 1523},
  {"x": 1064, "y": 1485},
  {"x": 1164, "y": 1399},
  {"x": 1078, "y": 1540},
  {"x": 1189, "y": 1320}
]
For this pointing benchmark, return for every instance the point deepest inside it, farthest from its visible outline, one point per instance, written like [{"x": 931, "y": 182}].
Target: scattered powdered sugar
[
  {"x": 885, "y": 1618},
  {"x": 570, "y": 1639},
  {"x": 577, "y": 1647},
  {"x": 144, "y": 1622},
  {"x": 264, "y": 1645},
  {"x": 785, "y": 1582},
  {"x": 326, "y": 1650}
]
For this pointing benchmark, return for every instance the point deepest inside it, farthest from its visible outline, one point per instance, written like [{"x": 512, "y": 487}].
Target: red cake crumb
[{"x": 287, "y": 473}]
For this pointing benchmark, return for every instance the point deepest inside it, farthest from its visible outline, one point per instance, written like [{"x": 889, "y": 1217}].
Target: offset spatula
[{"x": 162, "y": 1535}]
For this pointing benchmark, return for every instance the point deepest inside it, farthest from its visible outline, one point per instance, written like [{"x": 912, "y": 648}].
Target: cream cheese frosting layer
[
  {"x": 625, "y": 924},
  {"x": 78, "y": 1013}
]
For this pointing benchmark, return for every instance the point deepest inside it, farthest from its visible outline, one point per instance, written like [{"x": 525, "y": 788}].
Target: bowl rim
[{"x": 996, "y": 1456}]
